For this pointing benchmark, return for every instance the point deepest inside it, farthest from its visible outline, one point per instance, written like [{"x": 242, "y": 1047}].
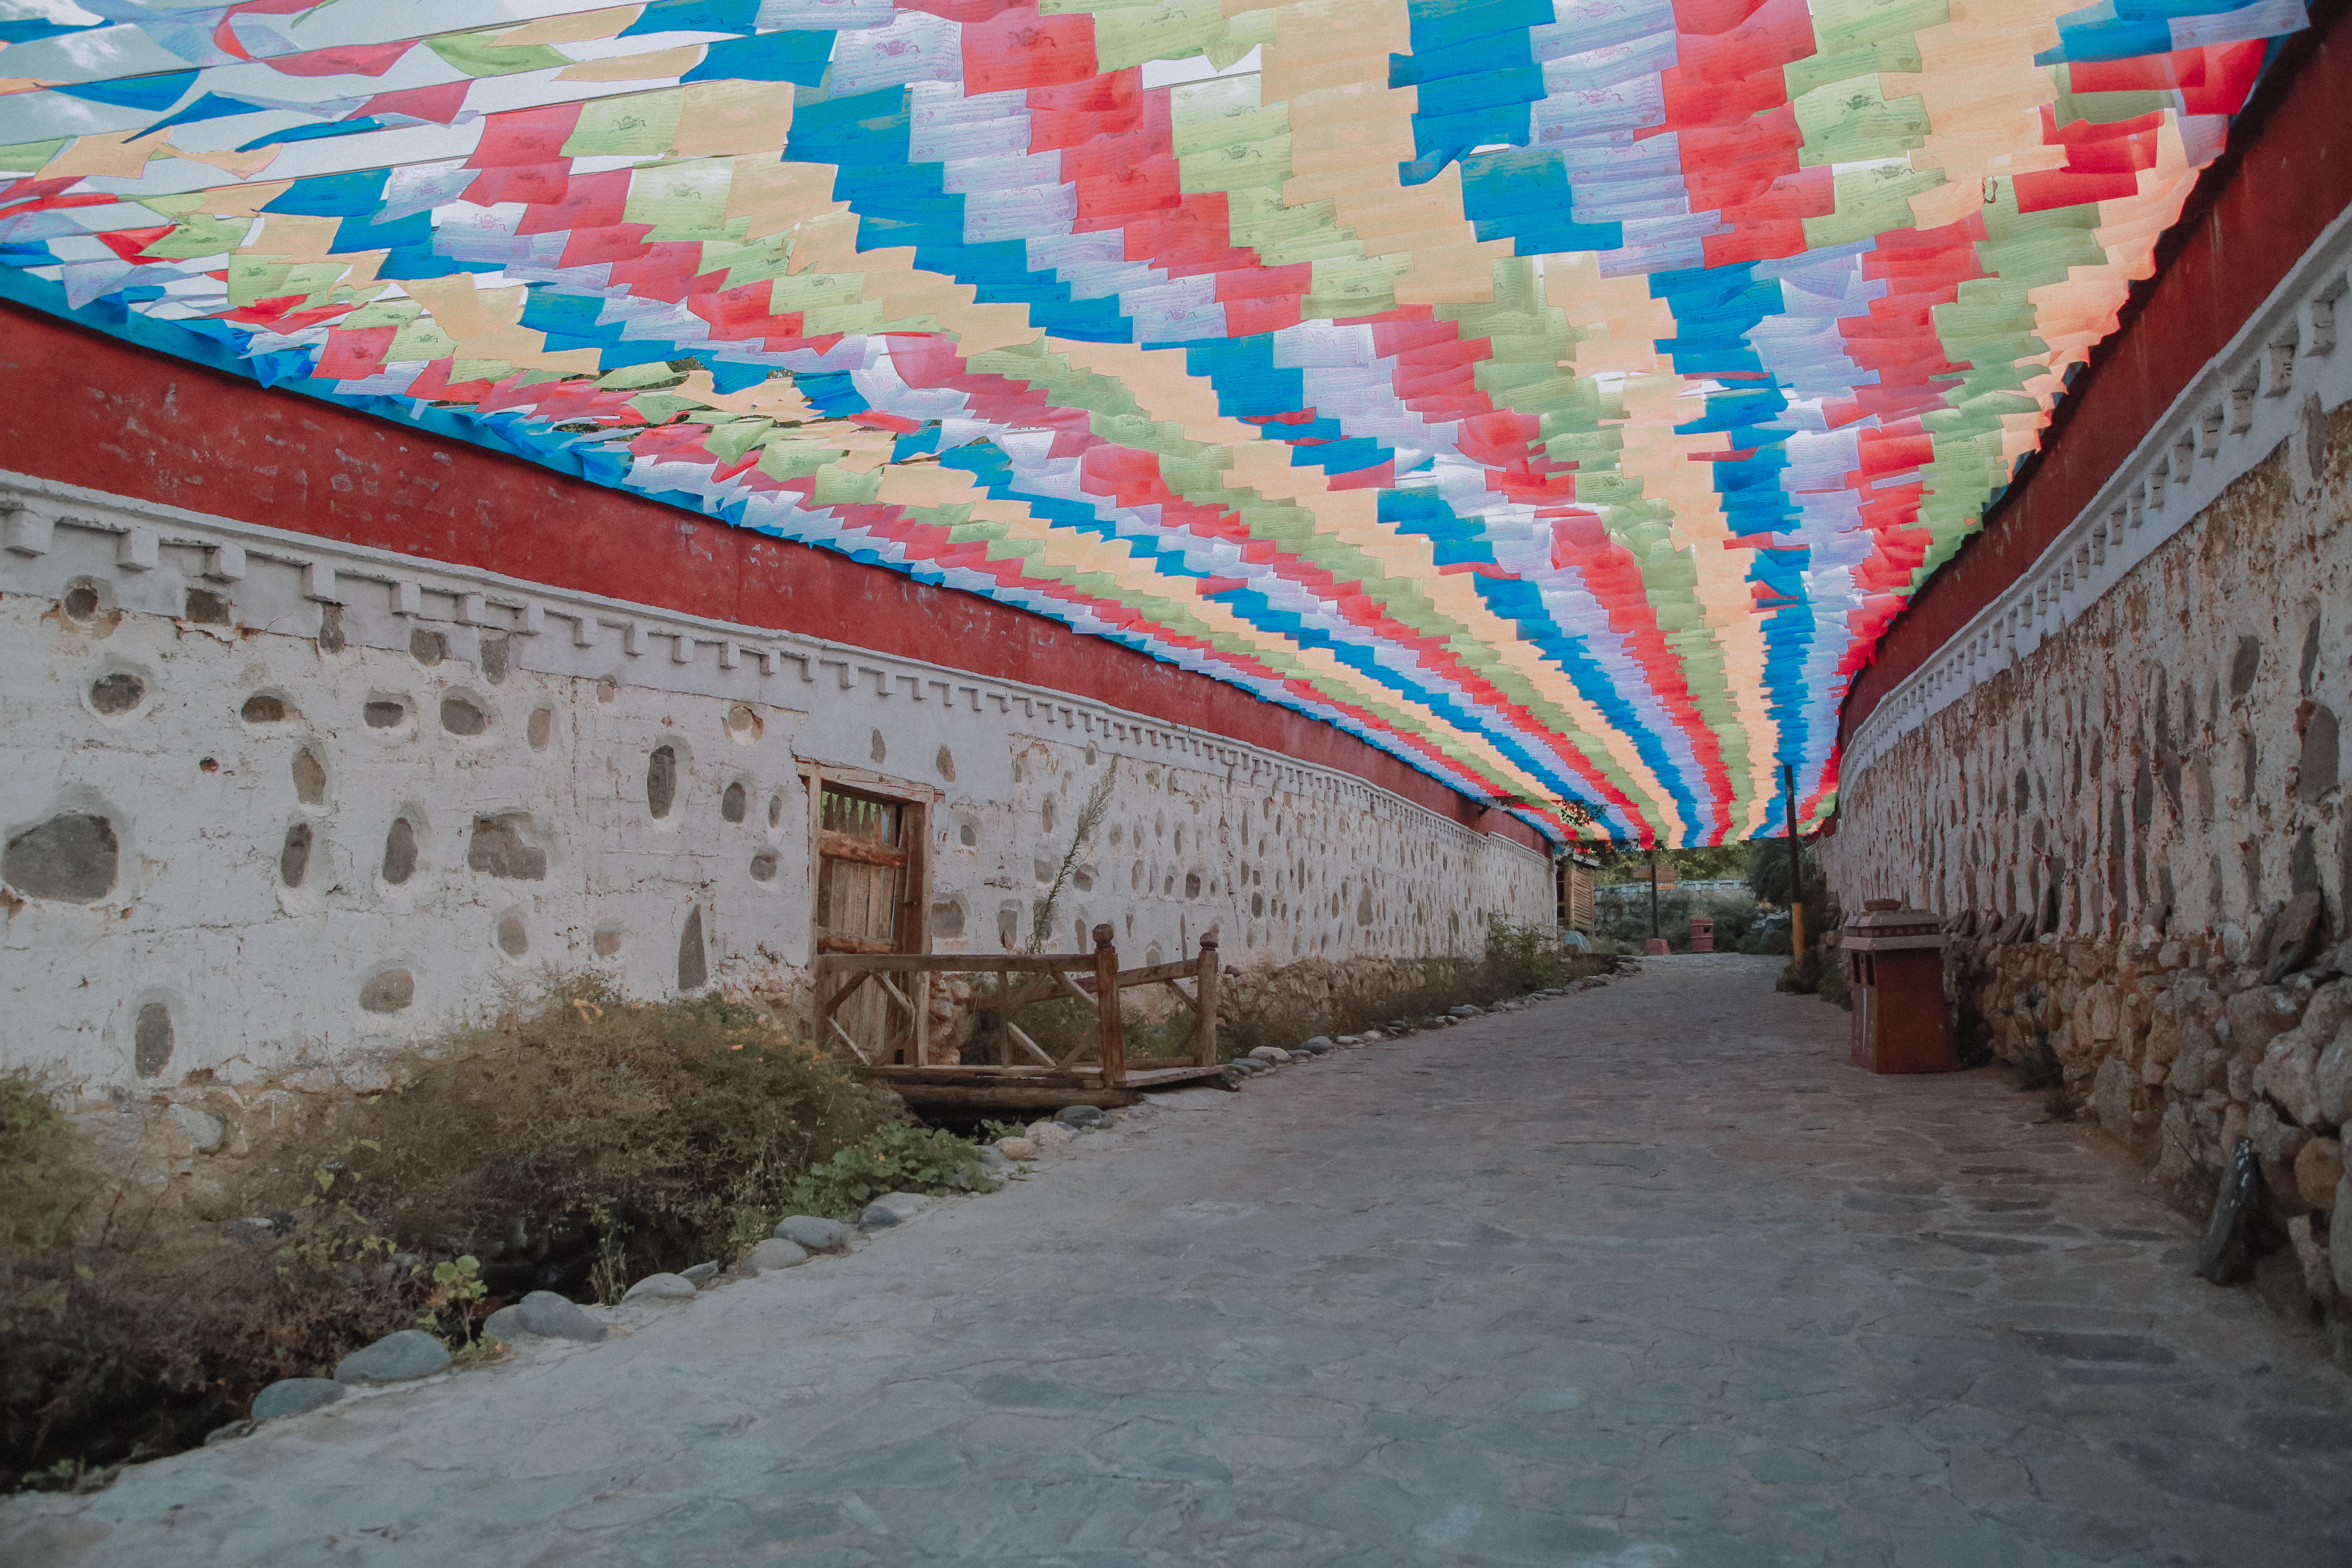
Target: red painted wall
[
  {"x": 116, "y": 418},
  {"x": 2253, "y": 216}
]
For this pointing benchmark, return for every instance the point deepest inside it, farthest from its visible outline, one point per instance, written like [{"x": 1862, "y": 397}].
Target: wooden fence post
[
  {"x": 1114, "y": 1041},
  {"x": 1205, "y": 1014}
]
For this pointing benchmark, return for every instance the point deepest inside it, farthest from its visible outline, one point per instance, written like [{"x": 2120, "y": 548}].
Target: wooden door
[{"x": 869, "y": 900}]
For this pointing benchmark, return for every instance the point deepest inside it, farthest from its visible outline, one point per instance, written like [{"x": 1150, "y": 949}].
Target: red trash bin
[
  {"x": 1702, "y": 936},
  {"x": 1895, "y": 962}
]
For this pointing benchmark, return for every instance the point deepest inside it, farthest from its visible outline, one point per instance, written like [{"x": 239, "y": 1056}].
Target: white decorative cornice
[
  {"x": 2242, "y": 406},
  {"x": 149, "y": 555}
]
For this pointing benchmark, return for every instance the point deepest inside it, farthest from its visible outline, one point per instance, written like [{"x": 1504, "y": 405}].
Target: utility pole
[{"x": 1796, "y": 874}]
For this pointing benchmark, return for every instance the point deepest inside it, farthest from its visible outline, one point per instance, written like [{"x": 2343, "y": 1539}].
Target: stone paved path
[{"x": 1644, "y": 1277}]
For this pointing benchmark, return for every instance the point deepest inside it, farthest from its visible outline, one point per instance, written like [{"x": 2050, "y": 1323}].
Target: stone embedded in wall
[
  {"x": 117, "y": 693},
  {"x": 607, "y": 942},
  {"x": 945, "y": 764},
  {"x": 330, "y": 629},
  {"x": 2318, "y": 1169},
  {"x": 661, "y": 780},
  {"x": 399, "y": 852},
  {"x": 947, "y": 920},
  {"x": 878, "y": 751},
  {"x": 2295, "y": 936},
  {"x": 501, "y": 847},
  {"x": 775, "y": 810},
  {"x": 71, "y": 859},
  {"x": 266, "y": 708},
  {"x": 733, "y": 804},
  {"x": 514, "y": 938},
  {"x": 85, "y": 600},
  {"x": 693, "y": 959},
  {"x": 2315, "y": 770},
  {"x": 310, "y": 778},
  {"x": 744, "y": 725},
  {"x": 427, "y": 647},
  {"x": 384, "y": 712},
  {"x": 540, "y": 728},
  {"x": 205, "y": 1132},
  {"x": 2245, "y": 664},
  {"x": 763, "y": 866},
  {"x": 387, "y": 991},
  {"x": 461, "y": 716},
  {"x": 294, "y": 856},
  {"x": 204, "y": 608},
  {"x": 494, "y": 651},
  {"x": 151, "y": 1039}
]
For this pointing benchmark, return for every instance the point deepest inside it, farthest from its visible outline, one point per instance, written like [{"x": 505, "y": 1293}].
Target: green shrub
[
  {"x": 1628, "y": 920},
  {"x": 894, "y": 1160},
  {"x": 623, "y": 1137},
  {"x": 1767, "y": 935},
  {"x": 653, "y": 1128},
  {"x": 129, "y": 1330},
  {"x": 42, "y": 1196},
  {"x": 1832, "y": 986}
]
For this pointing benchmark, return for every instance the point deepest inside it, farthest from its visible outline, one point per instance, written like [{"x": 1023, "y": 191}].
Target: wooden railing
[{"x": 1093, "y": 979}]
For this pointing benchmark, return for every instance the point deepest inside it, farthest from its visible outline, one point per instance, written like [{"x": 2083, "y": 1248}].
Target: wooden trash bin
[
  {"x": 1702, "y": 937},
  {"x": 1895, "y": 962}
]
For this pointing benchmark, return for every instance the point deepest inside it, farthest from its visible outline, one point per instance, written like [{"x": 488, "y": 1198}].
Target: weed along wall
[
  {"x": 276, "y": 803},
  {"x": 2122, "y": 781}
]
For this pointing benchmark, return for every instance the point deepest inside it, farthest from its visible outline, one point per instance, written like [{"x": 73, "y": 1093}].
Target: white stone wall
[
  {"x": 2173, "y": 756},
  {"x": 255, "y": 899}
]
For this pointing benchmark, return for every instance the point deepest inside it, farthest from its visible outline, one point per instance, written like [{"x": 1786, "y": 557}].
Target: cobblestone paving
[{"x": 1647, "y": 1276}]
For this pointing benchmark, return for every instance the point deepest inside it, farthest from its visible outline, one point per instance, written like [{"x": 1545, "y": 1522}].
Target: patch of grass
[
  {"x": 894, "y": 1160},
  {"x": 1802, "y": 977}
]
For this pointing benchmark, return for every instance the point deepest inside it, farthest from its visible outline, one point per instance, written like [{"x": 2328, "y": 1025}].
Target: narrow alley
[{"x": 1648, "y": 1275}]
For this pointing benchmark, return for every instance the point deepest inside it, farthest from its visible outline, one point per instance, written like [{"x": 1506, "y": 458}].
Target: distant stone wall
[
  {"x": 276, "y": 806},
  {"x": 2139, "y": 833}
]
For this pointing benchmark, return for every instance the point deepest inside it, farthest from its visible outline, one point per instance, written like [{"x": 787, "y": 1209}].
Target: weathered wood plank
[
  {"x": 1148, "y": 1076},
  {"x": 1158, "y": 972},
  {"x": 963, "y": 964},
  {"x": 1112, "y": 1028},
  {"x": 863, "y": 851},
  {"x": 1008, "y": 1097},
  {"x": 1204, "y": 1012}
]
